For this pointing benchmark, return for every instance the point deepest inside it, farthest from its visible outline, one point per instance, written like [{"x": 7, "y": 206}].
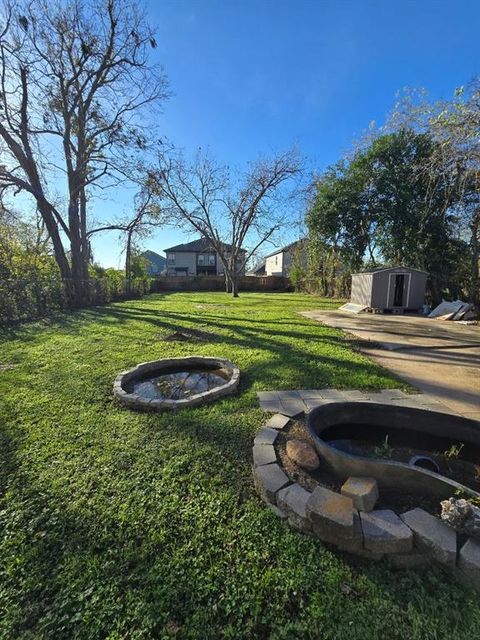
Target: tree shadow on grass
[
  {"x": 280, "y": 342},
  {"x": 82, "y": 571}
]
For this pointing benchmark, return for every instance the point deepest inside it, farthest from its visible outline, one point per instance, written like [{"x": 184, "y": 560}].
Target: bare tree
[
  {"x": 237, "y": 216},
  {"x": 75, "y": 83}
]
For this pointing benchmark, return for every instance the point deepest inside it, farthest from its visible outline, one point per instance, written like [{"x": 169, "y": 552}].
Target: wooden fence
[{"x": 217, "y": 283}]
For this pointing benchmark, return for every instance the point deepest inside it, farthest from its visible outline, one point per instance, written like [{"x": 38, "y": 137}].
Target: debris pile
[
  {"x": 455, "y": 310},
  {"x": 461, "y": 515}
]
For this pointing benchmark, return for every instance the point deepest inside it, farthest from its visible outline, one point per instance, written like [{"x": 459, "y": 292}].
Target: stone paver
[
  {"x": 290, "y": 404},
  {"x": 330, "y": 513},
  {"x": 278, "y": 421},
  {"x": 312, "y": 400},
  {"x": 270, "y": 401},
  {"x": 469, "y": 561},
  {"x": 384, "y": 532},
  {"x": 267, "y": 396},
  {"x": 362, "y": 491},
  {"x": 292, "y": 500},
  {"x": 352, "y": 395},
  {"x": 263, "y": 454},
  {"x": 352, "y": 544},
  {"x": 269, "y": 479},
  {"x": 304, "y": 401},
  {"x": 432, "y": 535},
  {"x": 266, "y": 436}
]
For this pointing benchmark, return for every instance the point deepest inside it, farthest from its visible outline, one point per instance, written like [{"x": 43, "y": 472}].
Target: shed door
[
  {"x": 399, "y": 285},
  {"x": 398, "y": 290}
]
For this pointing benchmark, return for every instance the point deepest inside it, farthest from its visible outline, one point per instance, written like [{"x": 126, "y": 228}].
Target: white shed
[{"x": 389, "y": 289}]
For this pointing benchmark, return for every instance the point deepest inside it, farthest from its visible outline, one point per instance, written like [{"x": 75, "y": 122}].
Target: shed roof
[{"x": 379, "y": 269}]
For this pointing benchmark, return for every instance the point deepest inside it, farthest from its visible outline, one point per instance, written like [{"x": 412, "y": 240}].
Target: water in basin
[{"x": 176, "y": 385}]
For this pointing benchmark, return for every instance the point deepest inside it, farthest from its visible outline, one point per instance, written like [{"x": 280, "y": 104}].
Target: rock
[
  {"x": 263, "y": 454},
  {"x": 303, "y": 454},
  {"x": 362, "y": 491},
  {"x": 331, "y": 514},
  {"x": 432, "y": 535},
  {"x": 469, "y": 562},
  {"x": 352, "y": 544},
  {"x": 269, "y": 479},
  {"x": 462, "y": 515},
  {"x": 266, "y": 436},
  {"x": 292, "y": 500},
  {"x": 384, "y": 532},
  {"x": 278, "y": 421}
]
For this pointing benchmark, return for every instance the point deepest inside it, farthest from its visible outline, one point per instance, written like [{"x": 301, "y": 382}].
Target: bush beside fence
[{"x": 23, "y": 300}]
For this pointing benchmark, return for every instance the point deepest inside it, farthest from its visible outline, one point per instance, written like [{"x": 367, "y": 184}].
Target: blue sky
[{"x": 256, "y": 76}]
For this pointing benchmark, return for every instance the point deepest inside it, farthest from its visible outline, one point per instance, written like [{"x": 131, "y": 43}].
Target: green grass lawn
[{"x": 116, "y": 524}]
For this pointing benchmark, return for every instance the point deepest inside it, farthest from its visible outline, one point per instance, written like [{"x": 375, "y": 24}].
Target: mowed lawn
[{"x": 116, "y": 524}]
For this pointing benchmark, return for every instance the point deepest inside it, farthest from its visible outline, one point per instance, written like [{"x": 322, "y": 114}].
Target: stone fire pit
[{"x": 176, "y": 383}]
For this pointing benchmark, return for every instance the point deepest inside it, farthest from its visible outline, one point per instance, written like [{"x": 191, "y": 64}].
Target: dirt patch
[{"x": 190, "y": 335}]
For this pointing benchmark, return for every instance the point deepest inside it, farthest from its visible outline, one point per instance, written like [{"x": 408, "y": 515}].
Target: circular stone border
[
  {"x": 407, "y": 540},
  {"x": 135, "y": 401}
]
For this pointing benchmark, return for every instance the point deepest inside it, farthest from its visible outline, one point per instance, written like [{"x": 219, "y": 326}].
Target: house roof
[
  {"x": 196, "y": 246},
  {"x": 399, "y": 266},
  {"x": 154, "y": 258},
  {"x": 258, "y": 267},
  {"x": 286, "y": 247}
]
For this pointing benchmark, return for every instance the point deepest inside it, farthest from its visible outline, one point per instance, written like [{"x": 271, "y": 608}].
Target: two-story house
[
  {"x": 279, "y": 263},
  {"x": 197, "y": 258}
]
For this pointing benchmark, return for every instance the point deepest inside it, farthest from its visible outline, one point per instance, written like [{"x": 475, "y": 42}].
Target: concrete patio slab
[{"x": 441, "y": 359}]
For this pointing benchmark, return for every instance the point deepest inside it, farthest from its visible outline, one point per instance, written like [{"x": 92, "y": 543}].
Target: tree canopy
[{"x": 383, "y": 206}]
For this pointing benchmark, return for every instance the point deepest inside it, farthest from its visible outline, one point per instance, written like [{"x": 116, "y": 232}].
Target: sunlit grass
[{"x": 115, "y": 524}]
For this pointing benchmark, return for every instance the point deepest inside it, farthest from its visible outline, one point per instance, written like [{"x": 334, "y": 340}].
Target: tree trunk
[
  {"x": 234, "y": 284},
  {"x": 85, "y": 243},
  {"x": 475, "y": 244},
  {"x": 228, "y": 287},
  {"x": 128, "y": 263},
  {"x": 58, "y": 249}
]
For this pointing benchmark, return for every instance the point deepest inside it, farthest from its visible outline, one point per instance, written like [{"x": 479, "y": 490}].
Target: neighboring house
[
  {"x": 279, "y": 263},
  {"x": 258, "y": 269},
  {"x": 156, "y": 264},
  {"x": 197, "y": 258}
]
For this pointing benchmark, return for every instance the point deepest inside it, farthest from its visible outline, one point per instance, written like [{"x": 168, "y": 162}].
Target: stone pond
[{"x": 309, "y": 475}]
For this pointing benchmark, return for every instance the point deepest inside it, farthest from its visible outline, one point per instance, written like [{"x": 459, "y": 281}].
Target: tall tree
[
  {"x": 454, "y": 126},
  {"x": 382, "y": 205},
  {"x": 236, "y": 214},
  {"x": 76, "y": 87}
]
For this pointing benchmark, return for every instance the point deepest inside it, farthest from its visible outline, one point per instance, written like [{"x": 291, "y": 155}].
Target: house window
[
  {"x": 206, "y": 260},
  {"x": 206, "y": 264},
  {"x": 171, "y": 258}
]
